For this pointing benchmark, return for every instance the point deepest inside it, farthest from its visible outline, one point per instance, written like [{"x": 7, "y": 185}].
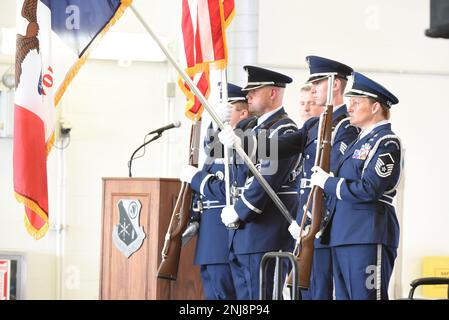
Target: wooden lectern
[{"x": 135, "y": 277}]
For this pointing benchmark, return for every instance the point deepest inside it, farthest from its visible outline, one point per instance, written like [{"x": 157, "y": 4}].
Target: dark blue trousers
[
  {"x": 245, "y": 272},
  {"x": 321, "y": 283},
  {"x": 217, "y": 282},
  {"x": 362, "y": 272}
]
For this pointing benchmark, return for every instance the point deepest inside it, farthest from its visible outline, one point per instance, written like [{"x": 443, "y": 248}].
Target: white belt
[{"x": 207, "y": 204}]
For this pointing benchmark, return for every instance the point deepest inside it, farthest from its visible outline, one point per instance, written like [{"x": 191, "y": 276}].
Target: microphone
[
  {"x": 159, "y": 131},
  {"x": 175, "y": 124}
]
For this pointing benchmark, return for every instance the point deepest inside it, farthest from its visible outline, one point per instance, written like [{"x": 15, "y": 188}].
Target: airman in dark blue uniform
[
  {"x": 363, "y": 230},
  {"x": 262, "y": 227},
  {"x": 304, "y": 141},
  {"x": 212, "y": 252}
]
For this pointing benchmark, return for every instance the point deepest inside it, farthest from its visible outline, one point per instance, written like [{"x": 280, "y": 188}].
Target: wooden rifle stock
[
  {"x": 305, "y": 246},
  {"x": 168, "y": 269},
  {"x": 171, "y": 252},
  {"x": 305, "y": 257}
]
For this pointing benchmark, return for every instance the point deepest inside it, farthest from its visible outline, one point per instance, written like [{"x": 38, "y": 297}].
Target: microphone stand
[{"x": 159, "y": 134}]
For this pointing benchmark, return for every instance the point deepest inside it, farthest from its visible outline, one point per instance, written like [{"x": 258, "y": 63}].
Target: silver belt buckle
[
  {"x": 199, "y": 206},
  {"x": 236, "y": 192},
  {"x": 233, "y": 226},
  {"x": 305, "y": 183}
]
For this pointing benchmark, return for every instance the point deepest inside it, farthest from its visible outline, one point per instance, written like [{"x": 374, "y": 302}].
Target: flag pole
[
  {"x": 224, "y": 95},
  {"x": 224, "y": 99},
  {"x": 279, "y": 204}
]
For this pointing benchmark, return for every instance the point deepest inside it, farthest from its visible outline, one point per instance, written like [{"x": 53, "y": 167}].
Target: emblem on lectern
[{"x": 127, "y": 235}]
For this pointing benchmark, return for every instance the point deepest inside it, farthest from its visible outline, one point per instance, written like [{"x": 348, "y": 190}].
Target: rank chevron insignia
[
  {"x": 384, "y": 165},
  {"x": 343, "y": 147}
]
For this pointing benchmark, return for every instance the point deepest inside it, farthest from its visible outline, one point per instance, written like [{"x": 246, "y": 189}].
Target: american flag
[{"x": 204, "y": 24}]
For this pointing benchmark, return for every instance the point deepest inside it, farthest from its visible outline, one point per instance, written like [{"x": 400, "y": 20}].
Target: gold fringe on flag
[{"x": 35, "y": 233}]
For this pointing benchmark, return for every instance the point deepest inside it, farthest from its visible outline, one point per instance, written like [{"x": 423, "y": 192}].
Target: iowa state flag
[{"x": 53, "y": 41}]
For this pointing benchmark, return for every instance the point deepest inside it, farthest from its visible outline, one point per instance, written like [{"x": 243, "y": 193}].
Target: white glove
[
  {"x": 224, "y": 111},
  {"x": 319, "y": 177},
  {"x": 187, "y": 173},
  {"x": 228, "y": 138},
  {"x": 294, "y": 230},
  {"x": 229, "y": 215}
]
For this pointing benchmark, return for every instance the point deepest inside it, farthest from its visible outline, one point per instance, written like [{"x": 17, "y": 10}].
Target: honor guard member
[
  {"x": 321, "y": 284},
  {"x": 262, "y": 226},
  {"x": 363, "y": 230},
  {"x": 307, "y": 106},
  {"x": 212, "y": 243},
  {"x": 304, "y": 141}
]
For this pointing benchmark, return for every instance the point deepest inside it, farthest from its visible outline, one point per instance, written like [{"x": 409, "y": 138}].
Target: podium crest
[{"x": 128, "y": 235}]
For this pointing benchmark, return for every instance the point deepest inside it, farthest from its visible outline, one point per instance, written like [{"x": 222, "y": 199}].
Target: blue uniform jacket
[
  {"x": 212, "y": 244},
  {"x": 211, "y": 247},
  {"x": 343, "y": 134},
  {"x": 263, "y": 227},
  {"x": 362, "y": 192}
]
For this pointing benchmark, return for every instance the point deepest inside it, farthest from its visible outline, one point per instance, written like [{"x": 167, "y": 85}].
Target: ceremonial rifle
[
  {"x": 305, "y": 246},
  {"x": 171, "y": 252}
]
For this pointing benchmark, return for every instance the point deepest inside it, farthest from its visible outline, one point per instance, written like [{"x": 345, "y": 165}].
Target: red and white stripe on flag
[
  {"x": 204, "y": 25},
  {"x": 194, "y": 108},
  {"x": 228, "y": 11}
]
